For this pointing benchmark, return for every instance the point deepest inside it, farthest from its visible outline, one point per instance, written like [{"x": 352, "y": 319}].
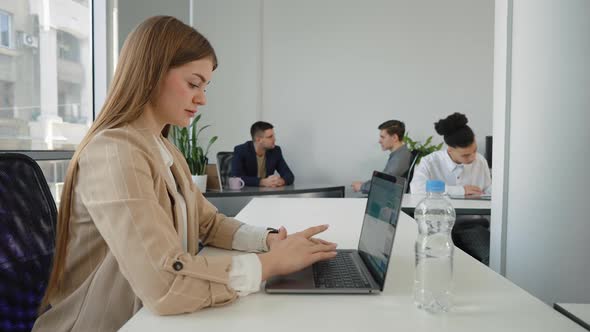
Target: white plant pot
[{"x": 201, "y": 182}]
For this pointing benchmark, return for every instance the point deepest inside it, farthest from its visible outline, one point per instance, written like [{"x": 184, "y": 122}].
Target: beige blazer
[{"x": 125, "y": 249}]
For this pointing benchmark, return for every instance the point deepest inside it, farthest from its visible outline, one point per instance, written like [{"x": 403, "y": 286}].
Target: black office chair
[
  {"x": 409, "y": 174},
  {"x": 27, "y": 239},
  {"x": 473, "y": 237},
  {"x": 224, "y": 160}
]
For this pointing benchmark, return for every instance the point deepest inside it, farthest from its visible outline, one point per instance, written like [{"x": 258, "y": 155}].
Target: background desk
[
  {"x": 578, "y": 312},
  {"x": 462, "y": 206},
  {"x": 230, "y": 202},
  {"x": 484, "y": 300}
]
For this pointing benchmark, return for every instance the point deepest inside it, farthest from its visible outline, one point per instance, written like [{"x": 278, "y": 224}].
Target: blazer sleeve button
[{"x": 177, "y": 266}]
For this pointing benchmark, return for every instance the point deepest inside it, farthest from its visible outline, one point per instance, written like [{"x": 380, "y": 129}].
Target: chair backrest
[
  {"x": 27, "y": 239},
  {"x": 224, "y": 162},
  {"x": 409, "y": 174},
  {"x": 489, "y": 148}
]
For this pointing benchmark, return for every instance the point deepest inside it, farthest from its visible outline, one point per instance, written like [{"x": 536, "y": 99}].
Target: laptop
[
  {"x": 360, "y": 271},
  {"x": 213, "y": 179}
]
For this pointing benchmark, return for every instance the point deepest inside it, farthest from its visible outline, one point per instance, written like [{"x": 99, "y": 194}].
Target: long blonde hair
[{"x": 157, "y": 45}]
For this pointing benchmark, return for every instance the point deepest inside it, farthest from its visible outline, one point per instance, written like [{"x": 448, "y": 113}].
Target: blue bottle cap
[{"x": 435, "y": 186}]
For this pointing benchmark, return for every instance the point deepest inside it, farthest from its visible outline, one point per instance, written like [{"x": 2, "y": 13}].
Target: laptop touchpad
[{"x": 298, "y": 280}]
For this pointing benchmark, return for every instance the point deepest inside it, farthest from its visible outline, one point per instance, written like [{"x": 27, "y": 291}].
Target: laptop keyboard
[{"x": 339, "y": 272}]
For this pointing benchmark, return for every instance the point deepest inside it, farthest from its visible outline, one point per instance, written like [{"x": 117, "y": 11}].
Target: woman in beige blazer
[{"x": 130, "y": 217}]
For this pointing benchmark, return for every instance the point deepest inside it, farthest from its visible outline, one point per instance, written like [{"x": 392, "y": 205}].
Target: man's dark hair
[
  {"x": 455, "y": 130},
  {"x": 394, "y": 127},
  {"x": 259, "y": 127}
]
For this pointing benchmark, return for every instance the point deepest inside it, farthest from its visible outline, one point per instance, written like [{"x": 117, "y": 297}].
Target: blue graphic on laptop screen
[{"x": 379, "y": 225}]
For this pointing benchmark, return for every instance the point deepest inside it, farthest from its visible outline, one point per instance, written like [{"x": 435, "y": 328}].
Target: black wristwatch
[{"x": 272, "y": 230}]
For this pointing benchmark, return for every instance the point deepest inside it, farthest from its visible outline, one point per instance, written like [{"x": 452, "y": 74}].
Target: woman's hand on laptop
[
  {"x": 295, "y": 252},
  {"x": 272, "y": 238}
]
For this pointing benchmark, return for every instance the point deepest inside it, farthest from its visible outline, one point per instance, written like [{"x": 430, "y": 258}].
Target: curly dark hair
[{"x": 455, "y": 130}]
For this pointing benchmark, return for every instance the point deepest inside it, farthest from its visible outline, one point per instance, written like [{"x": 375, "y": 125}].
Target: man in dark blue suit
[{"x": 257, "y": 160}]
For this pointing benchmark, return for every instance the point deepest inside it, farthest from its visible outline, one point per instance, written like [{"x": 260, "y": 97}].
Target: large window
[
  {"x": 46, "y": 74},
  {"x": 46, "y": 80}
]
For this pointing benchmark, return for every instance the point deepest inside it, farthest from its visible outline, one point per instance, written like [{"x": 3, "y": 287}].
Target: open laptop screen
[{"x": 380, "y": 222}]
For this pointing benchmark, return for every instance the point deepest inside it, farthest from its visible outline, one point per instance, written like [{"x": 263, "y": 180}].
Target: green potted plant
[
  {"x": 423, "y": 149},
  {"x": 187, "y": 141}
]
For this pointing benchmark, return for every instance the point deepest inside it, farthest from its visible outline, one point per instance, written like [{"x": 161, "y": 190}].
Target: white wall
[
  {"x": 133, "y": 12},
  {"x": 327, "y": 73},
  {"x": 544, "y": 201},
  {"x": 234, "y": 95}
]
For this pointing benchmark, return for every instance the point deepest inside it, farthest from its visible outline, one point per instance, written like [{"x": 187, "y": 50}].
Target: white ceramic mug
[{"x": 235, "y": 183}]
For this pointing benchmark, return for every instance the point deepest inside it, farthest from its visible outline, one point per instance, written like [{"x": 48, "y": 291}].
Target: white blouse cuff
[
  {"x": 250, "y": 238},
  {"x": 245, "y": 275}
]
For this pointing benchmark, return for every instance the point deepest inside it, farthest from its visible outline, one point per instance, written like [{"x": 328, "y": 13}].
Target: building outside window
[
  {"x": 5, "y": 29},
  {"x": 46, "y": 83},
  {"x": 68, "y": 46}
]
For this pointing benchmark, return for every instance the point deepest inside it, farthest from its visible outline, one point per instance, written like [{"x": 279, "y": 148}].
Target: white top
[
  {"x": 246, "y": 273},
  {"x": 439, "y": 166},
  {"x": 484, "y": 300}
]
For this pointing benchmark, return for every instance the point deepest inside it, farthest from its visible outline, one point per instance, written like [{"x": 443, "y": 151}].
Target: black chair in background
[
  {"x": 489, "y": 148},
  {"x": 472, "y": 235},
  {"x": 27, "y": 238},
  {"x": 409, "y": 174},
  {"x": 224, "y": 160}
]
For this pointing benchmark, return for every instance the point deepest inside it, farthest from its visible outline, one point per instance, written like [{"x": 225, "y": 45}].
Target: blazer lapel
[
  {"x": 161, "y": 169},
  {"x": 186, "y": 189},
  {"x": 252, "y": 166},
  {"x": 269, "y": 162},
  {"x": 172, "y": 192}
]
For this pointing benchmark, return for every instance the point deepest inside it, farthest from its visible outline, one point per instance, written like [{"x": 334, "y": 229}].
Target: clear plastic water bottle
[{"x": 434, "y": 250}]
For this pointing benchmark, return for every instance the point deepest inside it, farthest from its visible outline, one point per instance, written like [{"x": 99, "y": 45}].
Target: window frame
[
  {"x": 10, "y": 41},
  {"x": 44, "y": 155}
]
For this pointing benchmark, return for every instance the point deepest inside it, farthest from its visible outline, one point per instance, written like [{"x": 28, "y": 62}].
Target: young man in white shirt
[{"x": 464, "y": 171}]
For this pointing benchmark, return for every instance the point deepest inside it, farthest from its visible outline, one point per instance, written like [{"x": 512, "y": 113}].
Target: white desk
[
  {"x": 484, "y": 300},
  {"x": 578, "y": 312},
  {"x": 462, "y": 206}
]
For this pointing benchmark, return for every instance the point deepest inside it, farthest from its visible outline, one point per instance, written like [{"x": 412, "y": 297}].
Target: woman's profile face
[{"x": 183, "y": 91}]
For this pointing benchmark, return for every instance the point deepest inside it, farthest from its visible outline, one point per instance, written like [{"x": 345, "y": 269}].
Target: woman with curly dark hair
[{"x": 460, "y": 166}]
